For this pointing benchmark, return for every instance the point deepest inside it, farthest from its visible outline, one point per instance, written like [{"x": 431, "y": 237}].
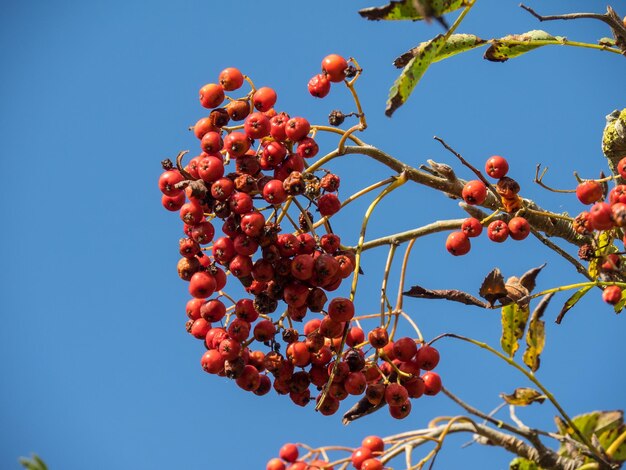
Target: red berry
[
  {"x": 612, "y": 295},
  {"x": 249, "y": 379},
  {"x": 359, "y": 456},
  {"x": 201, "y": 285},
  {"x": 398, "y": 412},
  {"x": 173, "y": 203},
  {"x": 474, "y": 192},
  {"x": 275, "y": 464},
  {"x": 328, "y": 204},
  {"x": 289, "y": 452},
  {"x": 211, "y": 142},
  {"x": 264, "y": 99},
  {"x": 378, "y": 337},
  {"x": 373, "y": 464},
  {"x": 374, "y": 443},
  {"x": 458, "y": 244},
  {"x": 222, "y": 188},
  {"x": 319, "y": 86},
  {"x": 589, "y": 192},
  {"x": 238, "y": 109},
  {"x": 427, "y": 357},
  {"x": 404, "y": 349},
  {"x": 498, "y": 231},
  {"x": 297, "y": 128},
  {"x": 231, "y": 79},
  {"x": 278, "y": 124},
  {"x": 519, "y": 228},
  {"x": 168, "y": 181},
  {"x": 432, "y": 383},
  {"x": 200, "y": 328},
  {"x": 341, "y": 309},
  {"x": 600, "y": 216},
  {"x": 211, "y": 95},
  {"x": 210, "y": 169},
  {"x": 617, "y": 194},
  {"x": 212, "y": 362},
  {"x": 241, "y": 203},
  {"x": 213, "y": 310},
  {"x": 396, "y": 394},
  {"x": 497, "y": 167},
  {"x": 471, "y": 227},
  {"x": 202, "y": 126},
  {"x": 257, "y": 125},
  {"x": 307, "y": 148},
  {"x": 237, "y": 144},
  {"x": 334, "y": 66}
]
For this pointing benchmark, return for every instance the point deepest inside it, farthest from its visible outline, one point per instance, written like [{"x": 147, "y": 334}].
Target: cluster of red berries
[
  {"x": 274, "y": 266},
  {"x": 604, "y": 215},
  {"x": 364, "y": 457},
  {"x": 475, "y": 193},
  {"x": 335, "y": 69}
]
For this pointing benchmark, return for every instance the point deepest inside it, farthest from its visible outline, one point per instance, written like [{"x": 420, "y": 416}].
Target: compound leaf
[
  {"x": 515, "y": 45},
  {"x": 514, "y": 318},
  {"x": 572, "y": 301},
  {"x": 523, "y": 396},
  {"x": 536, "y": 335},
  {"x": 412, "y": 73},
  {"x": 411, "y": 10},
  {"x": 520, "y": 463},
  {"x": 609, "y": 436},
  {"x": 455, "y": 44}
]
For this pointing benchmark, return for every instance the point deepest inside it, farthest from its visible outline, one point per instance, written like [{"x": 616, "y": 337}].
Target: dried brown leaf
[{"x": 447, "y": 294}]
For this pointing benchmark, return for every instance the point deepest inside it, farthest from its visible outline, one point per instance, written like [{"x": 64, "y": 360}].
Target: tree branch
[{"x": 545, "y": 458}]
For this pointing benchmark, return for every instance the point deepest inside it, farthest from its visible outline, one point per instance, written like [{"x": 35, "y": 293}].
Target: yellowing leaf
[
  {"x": 536, "y": 335},
  {"x": 608, "y": 442},
  {"x": 411, "y": 10},
  {"x": 523, "y": 396},
  {"x": 515, "y": 45},
  {"x": 514, "y": 318},
  {"x": 412, "y": 73},
  {"x": 572, "y": 301},
  {"x": 520, "y": 463},
  {"x": 455, "y": 44}
]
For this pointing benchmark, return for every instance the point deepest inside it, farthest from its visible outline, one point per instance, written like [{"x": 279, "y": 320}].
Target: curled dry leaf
[
  {"x": 448, "y": 294},
  {"x": 523, "y": 396}
]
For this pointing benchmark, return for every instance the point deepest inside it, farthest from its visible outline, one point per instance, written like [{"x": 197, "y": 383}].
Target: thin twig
[
  {"x": 539, "y": 180},
  {"x": 579, "y": 267},
  {"x": 477, "y": 172}
]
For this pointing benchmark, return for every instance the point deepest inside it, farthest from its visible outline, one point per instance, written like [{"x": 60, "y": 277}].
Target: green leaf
[
  {"x": 514, "y": 318},
  {"x": 412, "y": 73},
  {"x": 536, "y": 335},
  {"x": 34, "y": 463},
  {"x": 572, "y": 301},
  {"x": 455, "y": 44},
  {"x": 523, "y": 396},
  {"x": 609, "y": 436},
  {"x": 520, "y": 463},
  {"x": 607, "y": 426},
  {"x": 411, "y": 10},
  {"x": 509, "y": 47}
]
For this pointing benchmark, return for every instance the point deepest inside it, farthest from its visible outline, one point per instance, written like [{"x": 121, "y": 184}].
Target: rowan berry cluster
[
  {"x": 250, "y": 176},
  {"x": 475, "y": 193},
  {"x": 607, "y": 218},
  {"x": 365, "y": 457}
]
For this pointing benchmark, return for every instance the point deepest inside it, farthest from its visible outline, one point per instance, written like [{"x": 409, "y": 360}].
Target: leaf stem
[{"x": 530, "y": 376}]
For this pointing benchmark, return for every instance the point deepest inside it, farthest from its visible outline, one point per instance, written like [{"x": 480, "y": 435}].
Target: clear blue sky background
[{"x": 96, "y": 368}]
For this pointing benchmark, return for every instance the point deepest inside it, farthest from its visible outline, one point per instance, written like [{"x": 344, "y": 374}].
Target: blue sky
[{"x": 97, "y": 369}]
